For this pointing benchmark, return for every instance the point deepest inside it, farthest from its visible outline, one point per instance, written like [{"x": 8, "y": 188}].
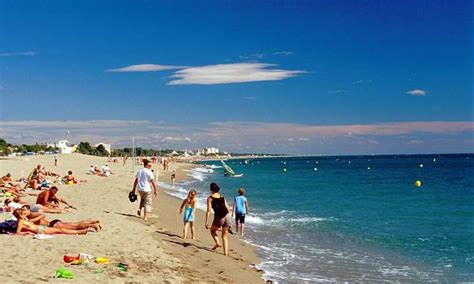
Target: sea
[{"x": 353, "y": 218}]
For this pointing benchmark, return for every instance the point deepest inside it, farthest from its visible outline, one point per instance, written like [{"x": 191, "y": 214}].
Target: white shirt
[
  {"x": 105, "y": 169},
  {"x": 144, "y": 176}
]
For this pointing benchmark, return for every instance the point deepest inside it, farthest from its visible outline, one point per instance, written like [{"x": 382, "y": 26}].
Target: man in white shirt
[
  {"x": 145, "y": 182},
  {"x": 106, "y": 170}
]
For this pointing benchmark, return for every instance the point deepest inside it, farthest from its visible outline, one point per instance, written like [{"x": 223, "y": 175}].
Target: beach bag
[
  {"x": 218, "y": 205},
  {"x": 8, "y": 227}
]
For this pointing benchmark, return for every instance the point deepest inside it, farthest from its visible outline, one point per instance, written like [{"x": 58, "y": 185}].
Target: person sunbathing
[
  {"x": 99, "y": 172},
  {"x": 71, "y": 179},
  {"x": 48, "y": 198},
  {"x": 25, "y": 227},
  {"x": 35, "y": 208},
  {"x": 49, "y": 173},
  {"x": 40, "y": 219},
  {"x": 7, "y": 180}
]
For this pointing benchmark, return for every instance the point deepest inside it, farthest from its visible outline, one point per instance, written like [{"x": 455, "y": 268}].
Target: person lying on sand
[
  {"x": 14, "y": 190},
  {"x": 25, "y": 227},
  {"x": 7, "y": 180},
  {"x": 9, "y": 205},
  {"x": 36, "y": 208},
  {"x": 40, "y": 219},
  {"x": 48, "y": 198},
  {"x": 49, "y": 173}
]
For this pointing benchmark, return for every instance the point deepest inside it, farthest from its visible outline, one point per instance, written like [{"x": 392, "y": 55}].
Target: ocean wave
[
  {"x": 203, "y": 170},
  {"x": 214, "y": 166}
]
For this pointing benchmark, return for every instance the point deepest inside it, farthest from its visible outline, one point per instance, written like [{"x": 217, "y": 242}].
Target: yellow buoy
[{"x": 418, "y": 183}]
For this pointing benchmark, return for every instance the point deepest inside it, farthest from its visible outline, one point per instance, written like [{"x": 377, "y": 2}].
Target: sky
[{"x": 295, "y": 77}]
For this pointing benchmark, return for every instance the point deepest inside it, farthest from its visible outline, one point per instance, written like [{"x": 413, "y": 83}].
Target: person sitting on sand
[
  {"x": 40, "y": 219},
  {"x": 218, "y": 204},
  {"x": 98, "y": 171},
  {"x": 240, "y": 209},
  {"x": 25, "y": 227},
  {"x": 48, "y": 198},
  {"x": 71, "y": 179},
  {"x": 37, "y": 177},
  {"x": 189, "y": 204},
  {"x": 106, "y": 170}
]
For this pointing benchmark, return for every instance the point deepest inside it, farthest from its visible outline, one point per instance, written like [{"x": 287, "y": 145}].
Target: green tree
[
  {"x": 101, "y": 151},
  {"x": 85, "y": 148}
]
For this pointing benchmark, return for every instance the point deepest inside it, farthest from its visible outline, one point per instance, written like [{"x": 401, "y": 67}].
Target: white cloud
[
  {"x": 145, "y": 68},
  {"x": 283, "y": 53},
  {"x": 417, "y": 92},
  {"x": 231, "y": 73},
  {"x": 434, "y": 136},
  {"x": 337, "y": 92},
  {"x": 414, "y": 142},
  {"x": 25, "y": 53},
  {"x": 177, "y": 139}
]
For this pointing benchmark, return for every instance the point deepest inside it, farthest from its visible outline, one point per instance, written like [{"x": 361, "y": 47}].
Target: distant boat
[
  {"x": 246, "y": 162},
  {"x": 228, "y": 171}
]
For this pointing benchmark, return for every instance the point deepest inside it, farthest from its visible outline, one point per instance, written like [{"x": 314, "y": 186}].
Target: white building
[
  {"x": 64, "y": 146},
  {"x": 108, "y": 147},
  {"x": 211, "y": 150}
]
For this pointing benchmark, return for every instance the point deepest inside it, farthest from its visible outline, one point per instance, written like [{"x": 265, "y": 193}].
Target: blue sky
[{"x": 272, "y": 76}]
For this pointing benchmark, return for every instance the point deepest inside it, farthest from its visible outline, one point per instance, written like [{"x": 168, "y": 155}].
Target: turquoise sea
[{"x": 355, "y": 218}]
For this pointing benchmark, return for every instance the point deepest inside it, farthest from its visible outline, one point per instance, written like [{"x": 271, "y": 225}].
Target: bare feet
[
  {"x": 83, "y": 232},
  {"x": 216, "y": 247},
  {"x": 139, "y": 213}
]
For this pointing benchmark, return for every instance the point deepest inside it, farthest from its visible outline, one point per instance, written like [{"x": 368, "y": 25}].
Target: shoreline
[
  {"x": 242, "y": 256},
  {"x": 153, "y": 249}
]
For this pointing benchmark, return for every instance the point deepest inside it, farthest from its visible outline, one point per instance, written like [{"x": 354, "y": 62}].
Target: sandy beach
[{"x": 153, "y": 249}]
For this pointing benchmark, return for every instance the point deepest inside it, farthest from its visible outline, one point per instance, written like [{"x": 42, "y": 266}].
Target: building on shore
[{"x": 64, "y": 146}]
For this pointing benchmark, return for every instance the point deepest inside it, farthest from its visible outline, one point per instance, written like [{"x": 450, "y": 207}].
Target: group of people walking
[{"x": 216, "y": 203}]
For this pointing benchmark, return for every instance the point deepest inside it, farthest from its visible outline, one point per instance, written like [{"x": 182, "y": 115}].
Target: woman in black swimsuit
[{"x": 221, "y": 216}]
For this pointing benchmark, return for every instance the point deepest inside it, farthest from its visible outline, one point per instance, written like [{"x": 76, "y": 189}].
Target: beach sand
[{"x": 153, "y": 249}]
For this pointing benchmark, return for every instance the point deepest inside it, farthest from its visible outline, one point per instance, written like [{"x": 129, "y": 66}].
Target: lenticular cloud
[{"x": 230, "y": 73}]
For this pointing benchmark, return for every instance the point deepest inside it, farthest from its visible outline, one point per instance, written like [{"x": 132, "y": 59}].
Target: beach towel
[
  {"x": 8, "y": 227},
  {"x": 42, "y": 237}
]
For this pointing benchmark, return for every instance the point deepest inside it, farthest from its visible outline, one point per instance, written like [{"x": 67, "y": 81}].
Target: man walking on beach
[{"x": 144, "y": 181}]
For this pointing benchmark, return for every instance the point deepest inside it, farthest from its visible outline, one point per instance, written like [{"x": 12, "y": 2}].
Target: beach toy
[
  {"x": 62, "y": 272},
  {"x": 122, "y": 266},
  {"x": 69, "y": 259},
  {"x": 102, "y": 260},
  {"x": 418, "y": 183},
  {"x": 70, "y": 182}
]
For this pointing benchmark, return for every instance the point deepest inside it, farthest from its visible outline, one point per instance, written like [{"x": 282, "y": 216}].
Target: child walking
[
  {"x": 240, "y": 209},
  {"x": 189, "y": 206}
]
